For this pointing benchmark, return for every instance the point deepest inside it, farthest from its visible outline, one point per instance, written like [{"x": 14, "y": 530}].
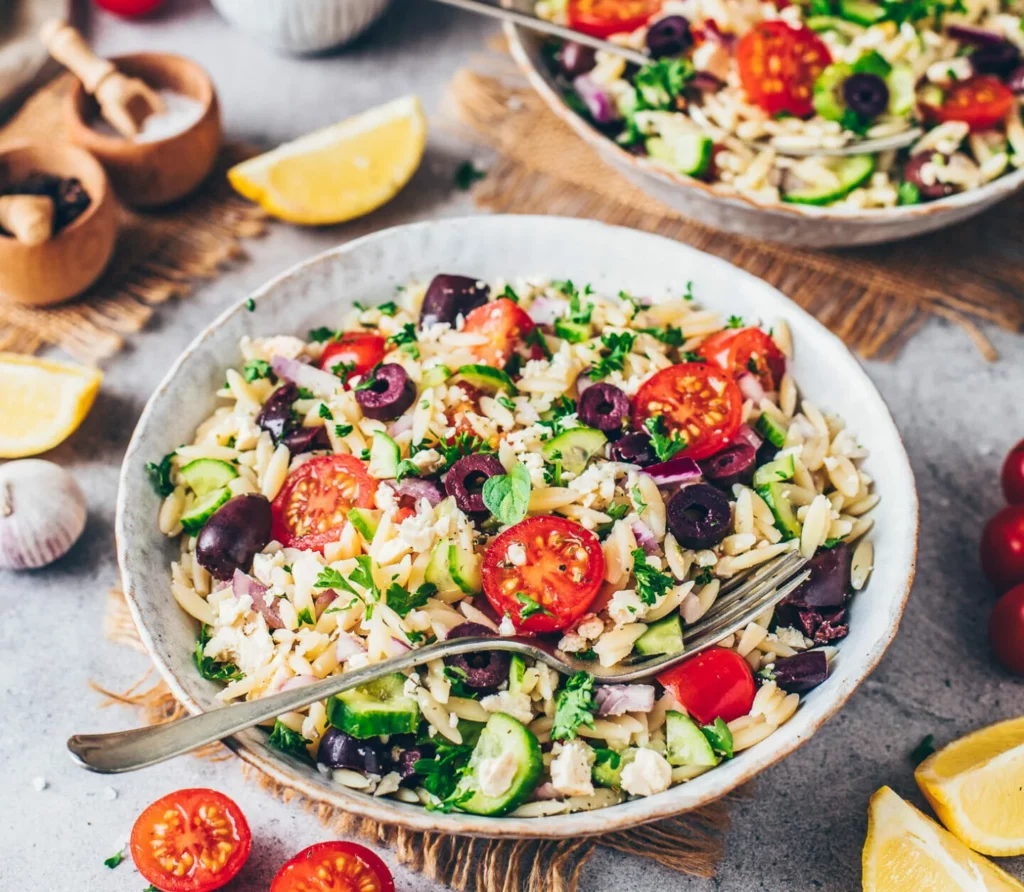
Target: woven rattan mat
[
  {"x": 874, "y": 298},
  {"x": 159, "y": 255}
]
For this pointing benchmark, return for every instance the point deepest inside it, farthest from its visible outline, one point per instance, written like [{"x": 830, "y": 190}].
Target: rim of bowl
[
  {"x": 1008, "y": 183},
  {"x": 585, "y": 823}
]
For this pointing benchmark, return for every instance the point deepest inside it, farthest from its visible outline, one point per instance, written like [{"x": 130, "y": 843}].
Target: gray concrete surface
[{"x": 803, "y": 828}]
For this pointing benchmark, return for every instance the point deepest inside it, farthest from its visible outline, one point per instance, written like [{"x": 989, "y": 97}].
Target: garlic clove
[{"x": 42, "y": 513}]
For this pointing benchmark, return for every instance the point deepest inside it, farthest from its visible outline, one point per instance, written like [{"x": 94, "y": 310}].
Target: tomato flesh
[
  {"x": 602, "y": 18},
  {"x": 548, "y": 566},
  {"x": 716, "y": 683},
  {"x": 981, "y": 103},
  {"x": 746, "y": 351},
  {"x": 314, "y": 502},
  {"x": 130, "y": 8},
  {"x": 778, "y": 65},
  {"x": 1002, "y": 548},
  {"x": 504, "y": 324},
  {"x": 334, "y": 867},
  {"x": 190, "y": 841},
  {"x": 352, "y": 354},
  {"x": 1013, "y": 475},
  {"x": 697, "y": 401},
  {"x": 1006, "y": 630}
]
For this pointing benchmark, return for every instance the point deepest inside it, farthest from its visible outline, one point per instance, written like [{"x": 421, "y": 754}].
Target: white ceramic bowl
[
  {"x": 792, "y": 224},
  {"x": 320, "y": 290},
  {"x": 302, "y": 26}
]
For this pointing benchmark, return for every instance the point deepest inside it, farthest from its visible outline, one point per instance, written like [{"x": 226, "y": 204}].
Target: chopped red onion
[
  {"x": 746, "y": 434},
  {"x": 583, "y": 381},
  {"x": 348, "y": 646},
  {"x": 974, "y": 36},
  {"x": 618, "y": 699},
  {"x": 417, "y": 489},
  {"x": 297, "y": 681},
  {"x": 243, "y": 584},
  {"x": 751, "y": 388},
  {"x": 706, "y": 82},
  {"x": 597, "y": 101},
  {"x": 396, "y": 648},
  {"x": 400, "y": 425},
  {"x": 324, "y": 600},
  {"x": 320, "y": 383},
  {"x": 545, "y": 310},
  {"x": 675, "y": 470},
  {"x": 1016, "y": 80},
  {"x": 545, "y": 791},
  {"x": 644, "y": 537}
]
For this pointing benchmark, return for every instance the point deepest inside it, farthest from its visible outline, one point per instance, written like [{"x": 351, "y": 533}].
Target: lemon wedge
[
  {"x": 41, "y": 402},
  {"x": 976, "y": 786},
  {"x": 908, "y": 852},
  {"x": 341, "y": 172}
]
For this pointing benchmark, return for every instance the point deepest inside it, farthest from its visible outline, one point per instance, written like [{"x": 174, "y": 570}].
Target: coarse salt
[{"x": 179, "y": 114}]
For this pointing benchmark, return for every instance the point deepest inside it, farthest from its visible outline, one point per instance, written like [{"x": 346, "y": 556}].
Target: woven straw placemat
[
  {"x": 874, "y": 298},
  {"x": 159, "y": 255}
]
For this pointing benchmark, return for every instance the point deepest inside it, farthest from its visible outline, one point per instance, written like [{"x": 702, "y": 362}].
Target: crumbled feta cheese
[
  {"x": 418, "y": 531},
  {"x": 495, "y": 775},
  {"x": 249, "y": 647},
  {"x": 516, "y": 554},
  {"x": 39, "y": 784},
  {"x": 428, "y": 461},
  {"x": 597, "y": 484},
  {"x": 109, "y": 793},
  {"x": 506, "y": 628},
  {"x": 647, "y": 774},
  {"x": 515, "y": 704},
  {"x": 590, "y": 627},
  {"x": 570, "y": 770},
  {"x": 572, "y": 643},
  {"x": 626, "y": 607}
]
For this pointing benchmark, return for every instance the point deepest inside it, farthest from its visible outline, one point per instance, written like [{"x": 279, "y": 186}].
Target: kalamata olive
[
  {"x": 576, "y": 59},
  {"x": 466, "y": 478},
  {"x": 306, "y": 439},
  {"x": 341, "y": 750},
  {"x": 669, "y": 36},
  {"x": 603, "y": 406},
  {"x": 405, "y": 763},
  {"x": 1016, "y": 80},
  {"x": 734, "y": 464},
  {"x": 276, "y": 416},
  {"x": 928, "y": 191},
  {"x": 390, "y": 393},
  {"x": 447, "y": 296},
  {"x": 484, "y": 670},
  {"x": 706, "y": 82},
  {"x": 469, "y": 630},
  {"x": 995, "y": 58},
  {"x": 238, "y": 530},
  {"x": 829, "y": 581},
  {"x": 634, "y": 449},
  {"x": 699, "y": 516},
  {"x": 801, "y": 672},
  {"x": 866, "y": 94}
]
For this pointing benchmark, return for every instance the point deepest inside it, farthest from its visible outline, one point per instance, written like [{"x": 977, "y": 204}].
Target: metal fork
[{"x": 739, "y": 602}]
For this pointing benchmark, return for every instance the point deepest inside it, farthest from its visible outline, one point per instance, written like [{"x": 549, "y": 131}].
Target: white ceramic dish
[
  {"x": 319, "y": 291},
  {"x": 793, "y": 225}
]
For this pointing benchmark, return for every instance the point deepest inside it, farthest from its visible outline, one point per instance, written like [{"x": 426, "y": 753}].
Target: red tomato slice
[
  {"x": 1013, "y": 475},
  {"x": 190, "y": 841},
  {"x": 334, "y": 867},
  {"x": 981, "y": 103},
  {"x": 1002, "y": 548},
  {"x": 602, "y": 18},
  {"x": 714, "y": 684},
  {"x": 697, "y": 401},
  {"x": 504, "y": 324},
  {"x": 746, "y": 351},
  {"x": 778, "y": 65},
  {"x": 555, "y": 584},
  {"x": 130, "y": 8},
  {"x": 357, "y": 352},
  {"x": 314, "y": 502}
]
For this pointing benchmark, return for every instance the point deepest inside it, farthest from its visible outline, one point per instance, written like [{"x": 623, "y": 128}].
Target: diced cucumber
[
  {"x": 771, "y": 430},
  {"x": 872, "y": 62},
  {"x": 785, "y": 517},
  {"x": 384, "y": 457},
  {"x": 852, "y": 171},
  {"x": 366, "y": 521},
  {"x": 434, "y": 376},
  {"x": 828, "y": 91},
  {"x": 608, "y": 772},
  {"x": 501, "y": 735},
  {"x": 204, "y": 508},
  {"x": 464, "y": 567},
  {"x": 775, "y": 471},
  {"x": 573, "y": 332},
  {"x": 821, "y": 23},
  {"x": 437, "y": 570},
  {"x": 376, "y": 708},
  {"x": 688, "y": 153},
  {"x": 575, "y": 447},
  {"x": 931, "y": 95},
  {"x": 901, "y": 82},
  {"x": 484, "y": 377},
  {"x": 862, "y": 12},
  {"x": 665, "y": 636},
  {"x": 204, "y": 475},
  {"x": 516, "y": 671},
  {"x": 685, "y": 743}
]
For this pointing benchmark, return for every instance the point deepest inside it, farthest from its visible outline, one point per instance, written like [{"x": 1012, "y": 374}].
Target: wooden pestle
[
  {"x": 29, "y": 218},
  {"x": 124, "y": 101}
]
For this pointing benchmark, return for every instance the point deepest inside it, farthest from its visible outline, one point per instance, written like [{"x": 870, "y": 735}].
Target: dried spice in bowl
[{"x": 70, "y": 200}]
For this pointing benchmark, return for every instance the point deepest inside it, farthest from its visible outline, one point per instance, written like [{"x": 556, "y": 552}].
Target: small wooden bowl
[
  {"x": 76, "y": 256},
  {"x": 150, "y": 174}
]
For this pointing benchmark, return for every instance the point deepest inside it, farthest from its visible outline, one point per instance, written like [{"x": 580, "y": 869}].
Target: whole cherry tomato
[
  {"x": 778, "y": 64},
  {"x": 1002, "y": 548},
  {"x": 1013, "y": 475},
  {"x": 130, "y": 9},
  {"x": 336, "y": 866},
  {"x": 1006, "y": 630}
]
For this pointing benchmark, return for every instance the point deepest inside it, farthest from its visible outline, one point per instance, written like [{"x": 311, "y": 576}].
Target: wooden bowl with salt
[{"x": 175, "y": 150}]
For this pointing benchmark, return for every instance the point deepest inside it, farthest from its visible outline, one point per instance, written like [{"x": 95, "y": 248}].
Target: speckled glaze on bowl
[
  {"x": 791, "y": 224},
  {"x": 320, "y": 290}
]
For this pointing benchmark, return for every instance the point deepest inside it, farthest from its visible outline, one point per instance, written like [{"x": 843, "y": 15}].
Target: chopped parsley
[
  {"x": 510, "y": 294},
  {"x": 651, "y": 583},
  {"x": 602, "y": 756},
  {"x": 688, "y": 294},
  {"x": 369, "y": 379},
  {"x": 322, "y": 334},
  {"x": 325, "y": 412},
  {"x": 389, "y": 308},
  {"x": 908, "y": 193},
  {"x": 343, "y": 369},
  {"x": 617, "y": 512},
  {"x": 734, "y": 322},
  {"x": 286, "y": 740},
  {"x": 208, "y": 667},
  {"x": 464, "y": 444},
  {"x": 664, "y": 445},
  {"x": 638, "y": 501},
  {"x": 530, "y": 607},
  {"x": 342, "y": 430},
  {"x": 305, "y": 616},
  {"x": 720, "y": 738},
  {"x": 402, "y": 601},
  {"x": 832, "y": 542},
  {"x": 457, "y": 676},
  {"x": 671, "y": 335},
  {"x": 254, "y": 369},
  {"x": 659, "y": 84},
  {"x": 618, "y": 345},
  {"x": 704, "y": 577},
  {"x": 535, "y": 338},
  {"x": 305, "y": 393},
  {"x": 466, "y": 174},
  {"x": 114, "y": 860},
  {"x": 506, "y": 402},
  {"x": 574, "y": 706},
  {"x": 923, "y": 750},
  {"x": 441, "y": 774},
  {"x": 362, "y": 576},
  {"x": 159, "y": 474},
  {"x": 250, "y": 305},
  {"x": 405, "y": 335},
  {"x": 900, "y": 11},
  {"x": 562, "y": 413},
  {"x": 406, "y": 468}
]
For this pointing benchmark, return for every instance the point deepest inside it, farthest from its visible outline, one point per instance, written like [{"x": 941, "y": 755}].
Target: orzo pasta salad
[
  {"x": 736, "y": 84},
  {"x": 523, "y": 457}
]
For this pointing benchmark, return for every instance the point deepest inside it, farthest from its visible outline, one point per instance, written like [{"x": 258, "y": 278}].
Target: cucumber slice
[
  {"x": 204, "y": 475},
  {"x": 932, "y": 95},
  {"x": 437, "y": 570},
  {"x": 366, "y": 521},
  {"x": 785, "y": 517},
  {"x": 192, "y": 520},
  {"x": 775, "y": 471},
  {"x": 685, "y": 742},
  {"x": 901, "y": 83},
  {"x": 575, "y": 447},
  {"x": 501, "y": 735},
  {"x": 853, "y": 171},
  {"x": 516, "y": 671},
  {"x": 464, "y": 567},
  {"x": 771, "y": 430},
  {"x": 872, "y": 62},
  {"x": 822, "y": 23},
  {"x": 376, "y": 708},
  {"x": 573, "y": 332},
  {"x": 688, "y": 153},
  {"x": 665, "y": 636},
  {"x": 434, "y": 376},
  {"x": 828, "y": 92},
  {"x": 486, "y": 378},
  {"x": 862, "y": 12},
  {"x": 384, "y": 457},
  {"x": 608, "y": 773}
]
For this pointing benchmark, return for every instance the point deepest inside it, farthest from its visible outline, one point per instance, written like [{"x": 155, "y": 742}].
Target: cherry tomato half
[
  {"x": 981, "y": 103},
  {"x": 1006, "y": 630},
  {"x": 745, "y": 351},
  {"x": 334, "y": 867},
  {"x": 696, "y": 400},
  {"x": 1002, "y": 548},
  {"x": 314, "y": 502},
  {"x": 548, "y": 568},
  {"x": 716, "y": 683},
  {"x": 1013, "y": 475},
  {"x": 357, "y": 353},
  {"x": 778, "y": 65},
  {"x": 504, "y": 324},
  {"x": 602, "y": 18},
  {"x": 130, "y": 8},
  {"x": 190, "y": 841}
]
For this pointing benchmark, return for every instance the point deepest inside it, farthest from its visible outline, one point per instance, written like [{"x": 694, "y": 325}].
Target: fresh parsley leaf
[
  {"x": 664, "y": 445},
  {"x": 151, "y": 888},
  {"x": 465, "y": 444},
  {"x": 704, "y": 577},
  {"x": 720, "y": 738},
  {"x": 343, "y": 369},
  {"x": 254, "y": 369},
  {"x": 510, "y": 294},
  {"x": 691, "y": 356},
  {"x": 406, "y": 468},
  {"x": 506, "y": 402},
  {"x": 210, "y": 668},
  {"x": 602, "y": 755},
  {"x": 574, "y": 706},
  {"x": 908, "y": 193},
  {"x": 402, "y": 601},
  {"x": 368, "y": 380},
  {"x": 588, "y": 654},
  {"x": 306, "y": 617},
  {"x": 900, "y": 11},
  {"x": 535, "y": 338},
  {"x": 365, "y": 455},
  {"x": 466, "y": 174},
  {"x": 553, "y": 470},
  {"x": 250, "y": 305},
  {"x": 389, "y": 308},
  {"x": 530, "y": 607},
  {"x": 659, "y": 84},
  {"x": 325, "y": 412},
  {"x": 405, "y": 335},
  {"x": 832, "y": 542},
  {"x": 457, "y": 676},
  {"x": 288, "y": 741},
  {"x": 566, "y": 287},
  {"x": 441, "y": 774},
  {"x": 638, "y": 501},
  {"x": 507, "y": 496},
  {"x": 114, "y": 860},
  {"x": 923, "y": 750},
  {"x": 688, "y": 293},
  {"x": 331, "y": 578},
  {"x": 322, "y": 334},
  {"x": 579, "y": 313},
  {"x": 617, "y": 512},
  {"x": 304, "y": 393},
  {"x": 651, "y": 583},
  {"x": 734, "y": 322},
  {"x": 618, "y": 344},
  {"x": 159, "y": 474},
  {"x": 671, "y": 335},
  {"x": 342, "y": 430}
]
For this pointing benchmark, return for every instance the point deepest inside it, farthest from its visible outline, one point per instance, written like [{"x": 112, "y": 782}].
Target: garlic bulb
[{"x": 42, "y": 513}]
